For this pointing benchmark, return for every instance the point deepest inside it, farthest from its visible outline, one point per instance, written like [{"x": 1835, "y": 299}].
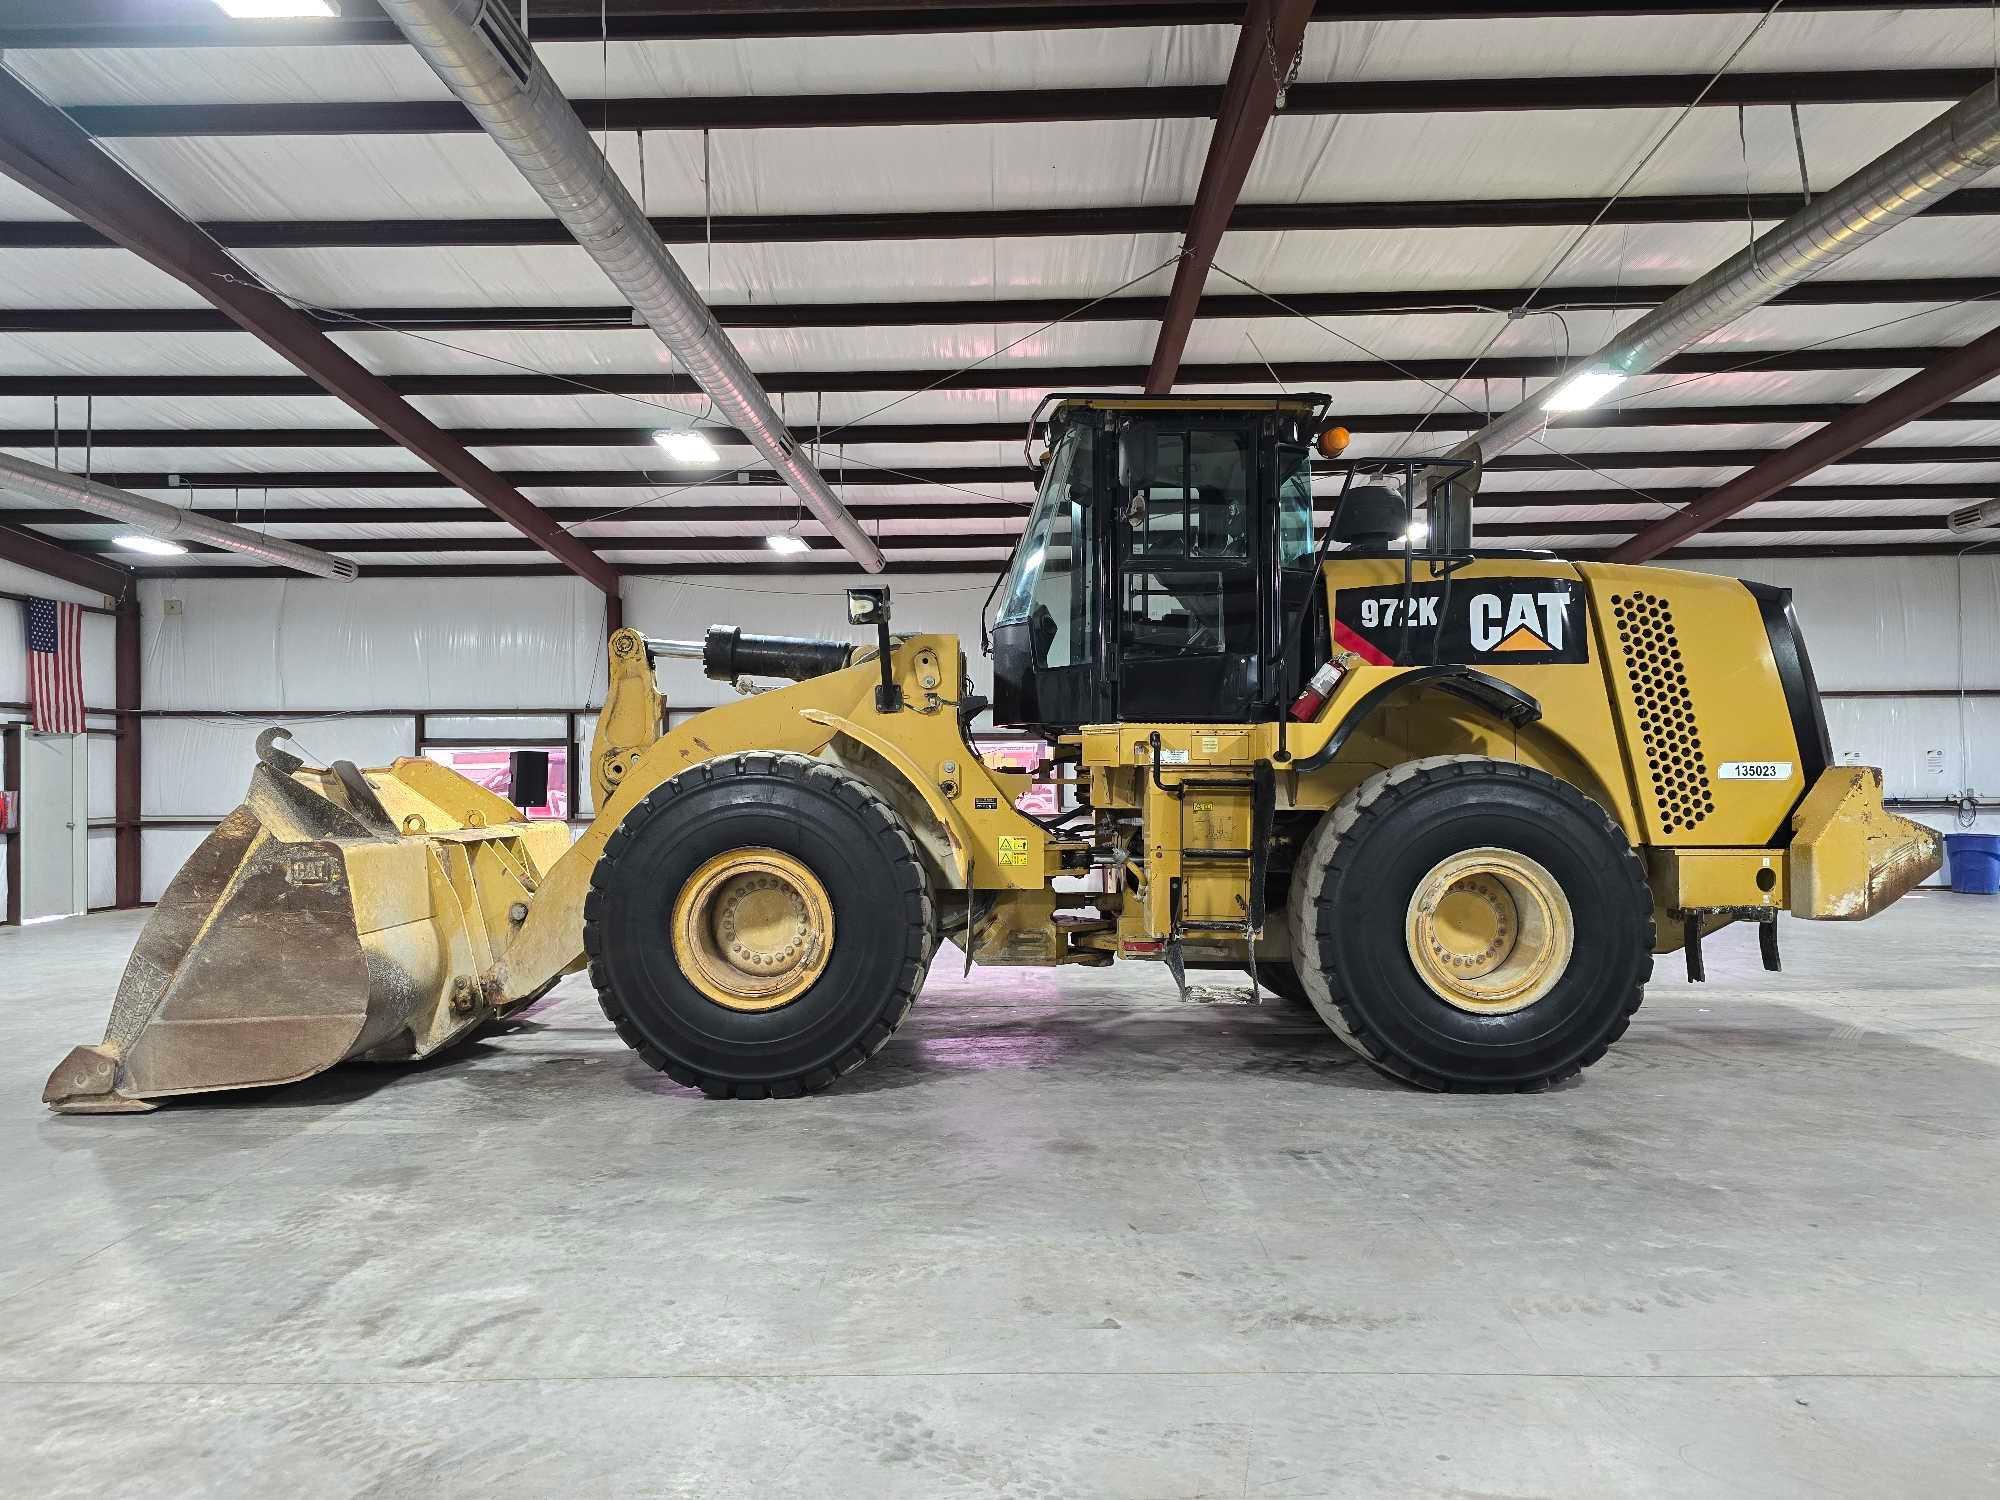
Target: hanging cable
[{"x": 1799, "y": 144}]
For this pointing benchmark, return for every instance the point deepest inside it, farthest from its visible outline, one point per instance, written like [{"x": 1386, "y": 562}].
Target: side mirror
[
  {"x": 528, "y": 778},
  {"x": 1138, "y": 457},
  {"x": 868, "y": 606}
]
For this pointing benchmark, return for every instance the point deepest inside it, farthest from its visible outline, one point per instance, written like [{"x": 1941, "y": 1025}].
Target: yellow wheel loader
[{"x": 1456, "y": 800}]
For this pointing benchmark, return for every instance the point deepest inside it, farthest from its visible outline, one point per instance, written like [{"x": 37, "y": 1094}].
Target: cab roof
[{"x": 1300, "y": 401}]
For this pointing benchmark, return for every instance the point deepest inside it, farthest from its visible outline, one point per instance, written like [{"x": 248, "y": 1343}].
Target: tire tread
[
  {"x": 888, "y": 832},
  {"x": 1341, "y": 834}
]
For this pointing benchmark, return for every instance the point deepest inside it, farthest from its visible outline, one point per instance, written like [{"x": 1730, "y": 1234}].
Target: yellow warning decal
[{"x": 1013, "y": 850}]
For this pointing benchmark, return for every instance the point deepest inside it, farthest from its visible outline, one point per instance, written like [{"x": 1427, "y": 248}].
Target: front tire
[
  {"x": 1472, "y": 925},
  {"x": 759, "y": 925}
]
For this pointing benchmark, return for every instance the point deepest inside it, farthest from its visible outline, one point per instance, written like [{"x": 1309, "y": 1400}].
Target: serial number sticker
[
  {"x": 1754, "y": 770},
  {"x": 1172, "y": 757},
  {"x": 1013, "y": 850},
  {"x": 985, "y": 804}
]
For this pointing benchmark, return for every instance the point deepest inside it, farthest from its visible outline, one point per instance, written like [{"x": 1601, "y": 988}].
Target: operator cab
[
  {"x": 1171, "y": 540},
  {"x": 1167, "y": 571}
]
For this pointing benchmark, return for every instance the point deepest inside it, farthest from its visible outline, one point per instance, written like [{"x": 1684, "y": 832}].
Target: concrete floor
[{"x": 1067, "y": 1237}]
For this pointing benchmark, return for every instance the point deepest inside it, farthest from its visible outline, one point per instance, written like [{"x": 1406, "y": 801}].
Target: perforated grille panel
[{"x": 1682, "y": 790}]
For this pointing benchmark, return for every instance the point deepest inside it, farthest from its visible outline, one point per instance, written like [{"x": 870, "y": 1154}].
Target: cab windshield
[{"x": 1047, "y": 584}]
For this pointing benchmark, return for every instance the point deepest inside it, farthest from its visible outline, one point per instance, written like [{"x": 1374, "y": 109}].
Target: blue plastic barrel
[{"x": 1975, "y": 862}]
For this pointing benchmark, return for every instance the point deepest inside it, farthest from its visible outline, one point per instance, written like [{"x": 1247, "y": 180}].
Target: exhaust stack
[{"x": 477, "y": 48}]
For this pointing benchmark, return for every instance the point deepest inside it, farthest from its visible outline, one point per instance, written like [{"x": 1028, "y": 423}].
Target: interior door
[{"x": 54, "y": 826}]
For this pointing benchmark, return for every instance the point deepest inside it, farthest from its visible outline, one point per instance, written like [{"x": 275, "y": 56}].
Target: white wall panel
[
  {"x": 102, "y": 854},
  {"x": 373, "y": 643},
  {"x": 1928, "y": 748},
  {"x": 162, "y": 853},
  {"x": 103, "y": 756},
  {"x": 199, "y": 768},
  {"x": 1891, "y": 622},
  {"x": 497, "y": 729},
  {"x": 100, "y": 663}
]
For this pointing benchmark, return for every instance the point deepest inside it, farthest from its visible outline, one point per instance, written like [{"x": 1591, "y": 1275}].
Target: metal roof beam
[
  {"x": 59, "y": 560},
  {"x": 1952, "y": 374},
  {"x": 1267, "y": 49},
  {"x": 674, "y": 546},
  {"x": 1599, "y": 418},
  {"x": 954, "y": 312},
  {"x": 45, "y": 152},
  {"x": 194, "y": 23},
  {"x": 1297, "y": 374},
  {"x": 836, "y": 566},
  {"x": 790, "y": 111},
  {"x": 998, "y": 223},
  {"x": 236, "y": 480},
  {"x": 762, "y": 507}
]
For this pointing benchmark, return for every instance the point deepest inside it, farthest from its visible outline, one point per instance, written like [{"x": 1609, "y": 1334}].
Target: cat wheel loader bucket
[{"x": 336, "y": 914}]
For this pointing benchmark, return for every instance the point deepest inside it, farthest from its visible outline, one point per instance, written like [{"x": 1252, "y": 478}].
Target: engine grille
[{"x": 1668, "y": 730}]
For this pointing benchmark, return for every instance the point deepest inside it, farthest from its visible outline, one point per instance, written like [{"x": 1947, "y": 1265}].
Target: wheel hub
[
  {"x": 752, "y": 929},
  {"x": 1489, "y": 930}
]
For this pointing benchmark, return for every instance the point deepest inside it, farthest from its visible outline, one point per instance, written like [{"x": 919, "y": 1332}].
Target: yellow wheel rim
[
  {"x": 752, "y": 929},
  {"x": 1490, "y": 931}
]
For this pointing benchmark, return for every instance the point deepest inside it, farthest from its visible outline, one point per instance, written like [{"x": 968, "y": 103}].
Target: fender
[
  {"x": 1501, "y": 699},
  {"x": 959, "y": 836}
]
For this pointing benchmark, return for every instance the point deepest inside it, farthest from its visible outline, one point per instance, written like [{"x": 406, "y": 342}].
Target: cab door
[{"x": 1186, "y": 552}]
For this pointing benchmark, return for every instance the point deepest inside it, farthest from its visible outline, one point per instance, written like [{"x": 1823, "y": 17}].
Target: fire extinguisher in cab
[{"x": 1324, "y": 681}]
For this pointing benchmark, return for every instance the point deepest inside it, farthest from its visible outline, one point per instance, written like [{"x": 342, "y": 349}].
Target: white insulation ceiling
[{"x": 276, "y": 453}]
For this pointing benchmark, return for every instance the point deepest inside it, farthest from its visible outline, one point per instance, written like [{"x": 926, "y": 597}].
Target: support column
[{"x": 127, "y": 800}]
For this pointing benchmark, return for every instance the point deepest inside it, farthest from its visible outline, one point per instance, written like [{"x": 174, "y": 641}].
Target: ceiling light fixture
[
  {"x": 1585, "y": 388},
  {"x": 152, "y": 546},
  {"x": 786, "y": 545},
  {"x": 686, "y": 446},
  {"x": 280, "y": 10}
]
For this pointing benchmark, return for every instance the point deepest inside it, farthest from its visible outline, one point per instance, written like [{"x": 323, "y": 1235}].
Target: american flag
[{"x": 55, "y": 666}]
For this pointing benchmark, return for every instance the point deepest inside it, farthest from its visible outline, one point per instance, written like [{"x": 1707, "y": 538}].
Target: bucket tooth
[{"x": 85, "y": 1083}]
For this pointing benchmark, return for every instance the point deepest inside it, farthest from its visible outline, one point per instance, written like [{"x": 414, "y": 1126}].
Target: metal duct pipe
[
  {"x": 477, "y": 48},
  {"x": 159, "y": 519},
  {"x": 1945, "y": 155}
]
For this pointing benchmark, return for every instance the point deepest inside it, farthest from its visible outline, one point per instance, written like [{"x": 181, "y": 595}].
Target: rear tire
[
  {"x": 838, "y": 837},
  {"x": 1356, "y": 925}
]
